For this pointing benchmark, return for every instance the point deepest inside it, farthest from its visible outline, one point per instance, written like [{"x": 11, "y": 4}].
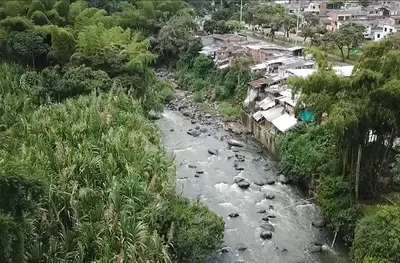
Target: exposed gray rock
[
  {"x": 225, "y": 249},
  {"x": 315, "y": 249},
  {"x": 204, "y": 130},
  {"x": 171, "y": 130},
  {"x": 271, "y": 216},
  {"x": 319, "y": 223},
  {"x": 270, "y": 181},
  {"x": 271, "y": 207},
  {"x": 262, "y": 211},
  {"x": 235, "y": 143},
  {"x": 266, "y": 235},
  {"x": 197, "y": 175},
  {"x": 193, "y": 133},
  {"x": 239, "y": 168},
  {"x": 283, "y": 179},
  {"x": 197, "y": 127},
  {"x": 259, "y": 183},
  {"x": 192, "y": 166},
  {"x": 193, "y": 121},
  {"x": 241, "y": 248},
  {"x": 186, "y": 113},
  {"x": 208, "y": 116},
  {"x": 268, "y": 227},
  {"x": 212, "y": 151},
  {"x": 269, "y": 196},
  {"x": 238, "y": 179},
  {"x": 243, "y": 184},
  {"x": 199, "y": 172},
  {"x": 233, "y": 215},
  {"x": 266, "y": 219}
]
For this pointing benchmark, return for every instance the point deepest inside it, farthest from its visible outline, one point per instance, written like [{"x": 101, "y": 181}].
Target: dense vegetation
[
  {"x": 83, "y": 175},
  {"x": 353, "y": 157},
  {"x": 228, "y": 86}
]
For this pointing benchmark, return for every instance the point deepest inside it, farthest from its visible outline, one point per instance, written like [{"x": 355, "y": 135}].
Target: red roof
[{"x": 257, "y": 83}]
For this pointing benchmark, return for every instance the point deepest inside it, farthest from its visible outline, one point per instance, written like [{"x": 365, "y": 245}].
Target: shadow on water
[{"x": 293, "y": 232}]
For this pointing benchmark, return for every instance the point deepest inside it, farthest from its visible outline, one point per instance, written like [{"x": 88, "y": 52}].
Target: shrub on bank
[
  {"x": 304, "y": 152},
  {"x": 337, "y": 205},
  {"x": 377, "y": 237}
]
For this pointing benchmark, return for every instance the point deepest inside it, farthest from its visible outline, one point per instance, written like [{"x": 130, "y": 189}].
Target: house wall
[{"x": 266, "y": 136}]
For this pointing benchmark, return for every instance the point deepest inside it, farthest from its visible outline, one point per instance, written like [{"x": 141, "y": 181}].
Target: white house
[{"x": 386, "y": 31}]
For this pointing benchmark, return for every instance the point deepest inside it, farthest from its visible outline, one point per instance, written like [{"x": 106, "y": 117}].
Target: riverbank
[{"x": 243, "y": 185}]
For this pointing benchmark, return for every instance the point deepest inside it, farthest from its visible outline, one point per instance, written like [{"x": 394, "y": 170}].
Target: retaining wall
[{"x": 265, "y": 134}]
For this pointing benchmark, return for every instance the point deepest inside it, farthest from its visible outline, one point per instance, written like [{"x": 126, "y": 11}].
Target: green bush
[
  {"x": 336, "y": 203},
  {"x": 305, "y": 152},
  {"x": 166, "y": 91},
  {"x": 199, "y": 96},
  {"x": 193, "y": 230},
  {"x": 377, "y": 237}
]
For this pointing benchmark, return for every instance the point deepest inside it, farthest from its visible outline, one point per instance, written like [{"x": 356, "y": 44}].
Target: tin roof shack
[
  {"x": 296, "y": 51},
  {"x": 297, "y": 64},
  {"x": 255, "y": 92},
  {"x": 229, "y": 38}
]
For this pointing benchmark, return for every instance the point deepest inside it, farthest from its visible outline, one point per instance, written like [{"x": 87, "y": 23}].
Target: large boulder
[
  {"x": 267, "y": 227},
  {"x": 269, "y": 196},
  {"x": 212, "y": 151},
  {"x": 243, "y": 184},
  {"x": 319, "y": 223},
  {"x": 194, "y": 133},
  {"x": 315, "y": 249},
  {"x": 238, "y": 179},
  {"x": 235, "y": 143},
  {"x": 266, "y": 235},
  {"x": 283, "y": 179},
  {"x": 233, "y": 215}
]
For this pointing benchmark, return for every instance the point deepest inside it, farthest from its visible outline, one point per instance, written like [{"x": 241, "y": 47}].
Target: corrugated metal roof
[
  {"x": 257, "y": 83},
  {"x": 272, "y": 113},
  {"x": 266, "y": 103},
  {"x": 284, "y": 122}
]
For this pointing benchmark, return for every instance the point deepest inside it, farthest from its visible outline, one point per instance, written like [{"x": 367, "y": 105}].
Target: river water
[{"x": 293, "y": 232}]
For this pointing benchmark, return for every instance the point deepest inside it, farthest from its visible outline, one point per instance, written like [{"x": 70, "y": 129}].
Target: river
[{"x": 293, "y": 233}]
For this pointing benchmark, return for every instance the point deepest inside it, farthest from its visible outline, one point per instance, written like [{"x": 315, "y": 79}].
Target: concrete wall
[{"x": 265, "y": 134}]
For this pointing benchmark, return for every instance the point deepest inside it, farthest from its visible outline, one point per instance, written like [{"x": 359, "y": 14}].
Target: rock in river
[
  {"x": 270, "y": 181},
  {"x": 266, "y": 235},
  {"x": 259, "y": 183},
  {"x": 315, "y": 249},
  {"x": 193, "y": 133},
  {"x": 235, "y": 143},
  {"x": 243, "y": 184},
  {"x": 267, "y": 227},
  {"x": 212, "y": 151},
  {"x": 269, "y": 196},
  {"x": 233, "y": 215},
  {"x": 192, "y": 166},
  {"x": 283, "y": 179},
  {"x": 319, "y": 223}
]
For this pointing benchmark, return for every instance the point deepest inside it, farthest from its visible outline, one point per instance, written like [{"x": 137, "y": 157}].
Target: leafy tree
[
  {"x": 36, "y": 5},
  {"x": 350, "y": 36},
  {"x": 16, "y": 24},
  {"x": 28, "y": 46},
  {"x": 233, "y": 25},
  {"x": 63, "y": 45},
  {"x": 288, "y": 23},
  {"x": 210, "y": 26},
  {"x": 55, "y": 18},
  {"x": 39, "y": 18},
  {"x": 202, "y": 65},
  {"x": 377, "y": 236},
  {"x": 75, "y": 9},
  {"x": 62, "y": 8}
]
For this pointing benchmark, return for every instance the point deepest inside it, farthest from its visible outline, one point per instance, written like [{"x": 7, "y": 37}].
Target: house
[
  {"x": 316, "y": 7},
  {"x": 340, "y": 17}
]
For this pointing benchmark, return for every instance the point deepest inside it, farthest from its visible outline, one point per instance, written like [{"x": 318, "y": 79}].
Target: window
[
  {"x": 385, "y": 29},
  {"x": 378, "y": 36},
  {"x": 391, "y": 30}
]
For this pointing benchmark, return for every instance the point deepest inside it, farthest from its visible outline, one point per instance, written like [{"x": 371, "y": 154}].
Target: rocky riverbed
[{"x": 267, "y": 219}]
